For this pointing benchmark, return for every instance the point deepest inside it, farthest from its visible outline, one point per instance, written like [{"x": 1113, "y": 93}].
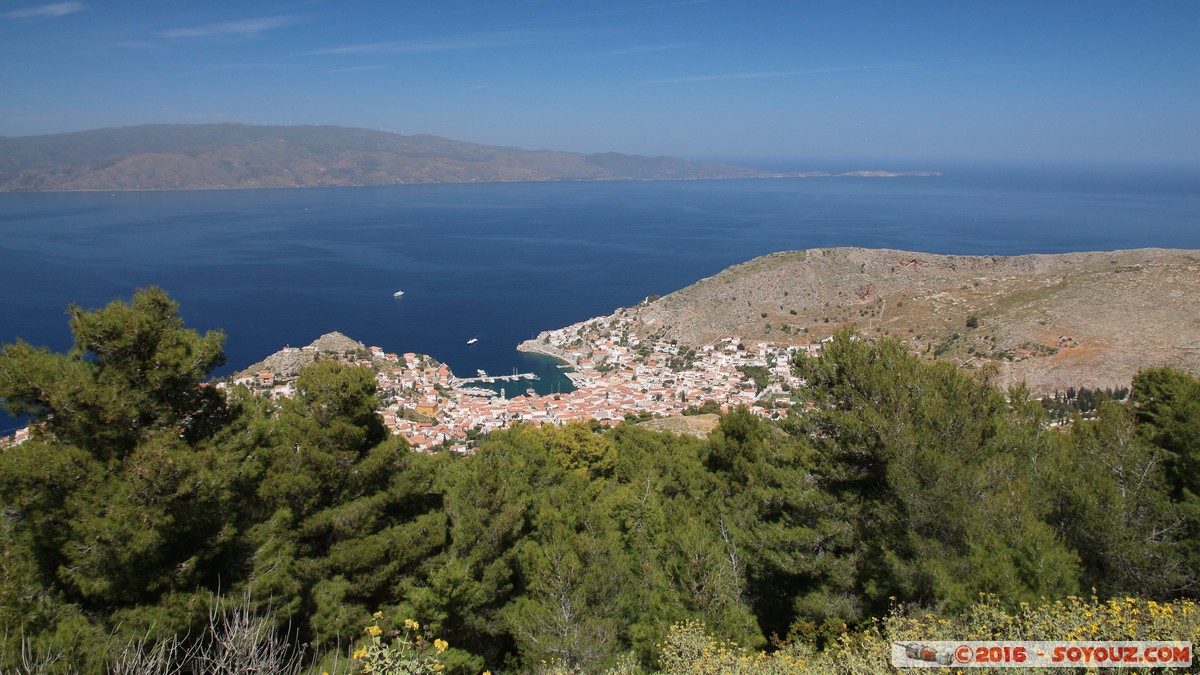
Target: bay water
[{"x": 501, "y": 262}]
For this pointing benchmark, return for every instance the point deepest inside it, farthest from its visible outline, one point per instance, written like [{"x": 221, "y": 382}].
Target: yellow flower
[
  {"x": 440, "y": 645},
  {"x": 411, "y": 625},
  {"x": 377, "y": 615},
  {"x": 362, "y": 651},
  {"x": 374, "y": 631}
]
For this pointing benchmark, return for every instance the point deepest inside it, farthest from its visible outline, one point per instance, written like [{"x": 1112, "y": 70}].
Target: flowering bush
[
  {"x": 1072, "y": 618},
  {"x": 411, "y": 652},
  {"x": 688, "y": 648}
]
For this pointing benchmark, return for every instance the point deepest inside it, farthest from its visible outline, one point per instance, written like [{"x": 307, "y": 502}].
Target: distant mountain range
[
  {"x": 157, "y": 157},
  {"x": 212, "y": 156}
]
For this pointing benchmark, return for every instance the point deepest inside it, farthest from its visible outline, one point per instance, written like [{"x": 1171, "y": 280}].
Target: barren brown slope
[
  {"x": 699, "y": 426},
  {"x": 1052, "y": 321}
]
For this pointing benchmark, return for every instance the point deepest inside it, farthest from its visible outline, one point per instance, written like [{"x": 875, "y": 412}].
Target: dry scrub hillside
[
  {"x": 699, "y": 426},
  {"x": 1052, "y": 321}
]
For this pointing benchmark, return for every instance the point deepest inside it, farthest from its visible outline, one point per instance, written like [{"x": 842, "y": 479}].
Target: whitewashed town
[{"x": 616, "y": 375}]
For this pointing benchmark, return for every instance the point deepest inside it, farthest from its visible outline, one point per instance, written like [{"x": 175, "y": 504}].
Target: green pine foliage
[
  {"x": 931, "y": 470},
  {"x": 146, "y": 500}
]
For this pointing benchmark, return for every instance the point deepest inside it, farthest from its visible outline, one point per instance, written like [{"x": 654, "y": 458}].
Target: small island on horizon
[{"x": 228, "y": 156}]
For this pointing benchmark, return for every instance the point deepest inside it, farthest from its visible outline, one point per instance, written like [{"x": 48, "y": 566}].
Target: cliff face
[{"x": 1052, "y": 321}]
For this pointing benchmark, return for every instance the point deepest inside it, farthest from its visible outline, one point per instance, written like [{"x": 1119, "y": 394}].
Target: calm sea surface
[{"x": 500, "y": 262}]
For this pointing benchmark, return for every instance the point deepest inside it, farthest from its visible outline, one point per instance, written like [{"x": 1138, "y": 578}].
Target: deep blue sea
[{"x": 501, "y": 262}]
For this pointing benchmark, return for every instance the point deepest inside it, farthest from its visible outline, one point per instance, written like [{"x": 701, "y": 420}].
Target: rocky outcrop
[{"x": 287, "y": 362}]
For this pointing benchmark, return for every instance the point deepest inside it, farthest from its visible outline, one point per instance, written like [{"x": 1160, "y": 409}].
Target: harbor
[{"x": 484, "y": 378}]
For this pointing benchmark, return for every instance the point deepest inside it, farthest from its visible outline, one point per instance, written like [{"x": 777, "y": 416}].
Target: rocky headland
[{"x": 1051, "y": 321}]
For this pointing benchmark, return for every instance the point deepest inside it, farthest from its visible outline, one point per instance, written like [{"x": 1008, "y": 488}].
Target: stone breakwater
[{"x": 536, "y": 346}]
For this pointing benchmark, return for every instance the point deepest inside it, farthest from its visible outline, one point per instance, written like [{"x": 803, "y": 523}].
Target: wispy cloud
[
  {"x": 772, "y": 74},
  {"x": 450, "y": 44},
  {"x": 354, "y": 69},
  {"x": 475, "y": 9},
  {"x": 51, "y": 11},
  {"x": 137, "y": 44},
  {"x": 609, "y": 12},
  {"x": 648, "y": 49},
  {"x": 246, "y": 28},
  {"x": 260, "y": 65}
]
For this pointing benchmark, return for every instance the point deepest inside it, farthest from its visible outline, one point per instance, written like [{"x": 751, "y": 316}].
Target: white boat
[
  {"x": 397, "y": 294},
  {"x": 472, "y": 341}
]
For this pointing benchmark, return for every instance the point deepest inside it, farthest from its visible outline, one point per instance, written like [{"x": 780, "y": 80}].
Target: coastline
[
  {"x": 535, "y": 346},
  {"x": 578, "y": 379},
  {"x": 493, "y": 181}
]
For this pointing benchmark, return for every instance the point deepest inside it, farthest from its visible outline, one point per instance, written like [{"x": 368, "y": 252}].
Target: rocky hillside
[
  {"x": 286, "y": 363},
  {"x": 1052, "y": 321},
  {"x": 156, "y": 157}
]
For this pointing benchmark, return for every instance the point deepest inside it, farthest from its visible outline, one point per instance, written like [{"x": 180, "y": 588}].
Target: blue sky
[{"x": 1045, "y": 81}]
